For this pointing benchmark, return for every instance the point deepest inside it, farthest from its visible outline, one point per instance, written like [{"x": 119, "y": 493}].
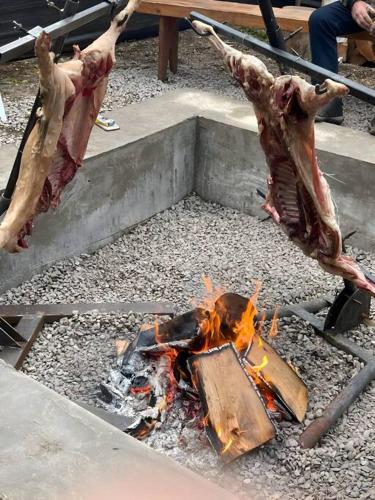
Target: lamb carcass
[
  {"x": 71, "y": 93},
  {"x": 298, "y": 195}
]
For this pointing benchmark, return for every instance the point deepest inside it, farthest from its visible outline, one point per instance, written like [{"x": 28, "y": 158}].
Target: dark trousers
[{"x": 325, "y": 24}]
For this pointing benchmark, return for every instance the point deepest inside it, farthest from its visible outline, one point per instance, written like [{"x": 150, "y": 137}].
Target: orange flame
[
  {"x": 245, "y": 329},
  {"x": 274, "y": 330}
]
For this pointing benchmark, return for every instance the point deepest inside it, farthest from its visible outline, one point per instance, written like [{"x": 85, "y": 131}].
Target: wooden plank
[
  {"x": 29, "y": 327},
  {"x": 281, "y": 378},
  {"x": 289, "y": 18},
  {"x": 237, "y": 421},
  {"x": 54, "y": 312}
]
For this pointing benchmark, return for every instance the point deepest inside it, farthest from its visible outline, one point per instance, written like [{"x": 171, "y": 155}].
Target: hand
[{"x": 360, "y": 14}]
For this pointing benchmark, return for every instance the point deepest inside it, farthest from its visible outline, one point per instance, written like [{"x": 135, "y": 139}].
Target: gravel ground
[
  {"x": 134, "y": 79},
  {"x": 163, "y": 259}
]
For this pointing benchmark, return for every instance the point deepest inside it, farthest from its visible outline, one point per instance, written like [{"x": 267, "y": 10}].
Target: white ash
[
  {"x": 163, "y": 259},
  {"x": 134, "y": 79}
]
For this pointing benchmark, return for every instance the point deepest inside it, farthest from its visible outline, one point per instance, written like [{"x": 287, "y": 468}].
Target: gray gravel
[
  {"x": 163, "y": 259},
  {"x": 134, "y": 79}
]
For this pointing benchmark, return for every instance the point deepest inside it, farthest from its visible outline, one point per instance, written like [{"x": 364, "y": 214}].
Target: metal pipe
[
  {"x": 284, "y": 312},
  {"x": 18, "y": 47},
  {"x": 312, "y": 434},
  {"x": 273, "y": 31},
  {"x": 356, "y": 89}
]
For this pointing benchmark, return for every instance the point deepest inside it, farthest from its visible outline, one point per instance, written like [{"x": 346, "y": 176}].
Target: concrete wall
[
  {"x": 167, "y": 147},
  {"x": 114, "y": 191}
]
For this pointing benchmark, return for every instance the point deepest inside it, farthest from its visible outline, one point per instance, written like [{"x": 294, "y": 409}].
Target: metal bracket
[
  {"x": 34, "y": 32},
  {"x": 9, "y": 336},
  {"x": 113, "y": 4}
]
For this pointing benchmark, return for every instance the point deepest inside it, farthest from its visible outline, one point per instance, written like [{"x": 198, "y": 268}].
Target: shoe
[
  {"x": 371, "y": 127},
  {"x": 331, "y": 112}
]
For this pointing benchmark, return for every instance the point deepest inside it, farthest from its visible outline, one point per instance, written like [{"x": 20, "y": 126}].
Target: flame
[
  {"x": 264, "y": 363},
  {"x": 157, "y": 333},
  {"x": 227, "y": 446},
  {"x": 273, "y": 330},
  {"x": 245, "y": 329},
  {"x": 141, "y": 390},
  {"x": 210, "y": 326}
]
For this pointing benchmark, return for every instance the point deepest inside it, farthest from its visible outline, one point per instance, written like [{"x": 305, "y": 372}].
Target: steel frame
[
  {"x": 20, "y": 325},
  {"x": 18, "y": 47}
]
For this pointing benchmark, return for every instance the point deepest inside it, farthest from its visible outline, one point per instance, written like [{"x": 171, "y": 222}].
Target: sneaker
[
  {"x": 371, "y": 127},
  {"x": 331, "y": 112}
]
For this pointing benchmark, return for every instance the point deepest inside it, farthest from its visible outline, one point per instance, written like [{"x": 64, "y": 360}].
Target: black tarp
[{"x": 32, "y": 13}]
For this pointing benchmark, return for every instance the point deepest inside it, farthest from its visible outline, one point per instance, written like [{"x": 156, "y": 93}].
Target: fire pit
[{"x": 74, "y": 355}]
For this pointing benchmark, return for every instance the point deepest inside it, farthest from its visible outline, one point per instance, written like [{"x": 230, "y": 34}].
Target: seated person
[{"x": 326, "y": 23}]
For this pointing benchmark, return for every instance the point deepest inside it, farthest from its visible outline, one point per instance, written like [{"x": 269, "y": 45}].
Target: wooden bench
[{"x": 170, "y": 11}]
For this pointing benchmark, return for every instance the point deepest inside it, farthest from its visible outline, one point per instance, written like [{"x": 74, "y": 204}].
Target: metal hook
[
  {"x": 320, "y": 90},
  {"x": 52, "y": 4},
  {"x": 195, "y": 29},
  {"x": 291, "y": 35}
]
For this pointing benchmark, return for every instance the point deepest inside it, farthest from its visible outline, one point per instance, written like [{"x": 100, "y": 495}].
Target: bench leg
[{"x": 168, "y": 46}]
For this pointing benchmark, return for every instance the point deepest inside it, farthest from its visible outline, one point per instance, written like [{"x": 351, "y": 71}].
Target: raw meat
[
  {"x": 72, "y": 93},
  {"x": 298, "y": 195}
]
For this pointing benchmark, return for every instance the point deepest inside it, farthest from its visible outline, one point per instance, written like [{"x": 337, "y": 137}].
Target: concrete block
[{"x": 52, "y": 449}]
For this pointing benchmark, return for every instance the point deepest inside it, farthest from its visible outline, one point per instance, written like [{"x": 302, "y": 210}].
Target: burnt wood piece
[
  {"x": 54, "y": 312},
  {"x": 230, "y": 307},
  {"x": 236, "y": 418},
  {"x": 280, "y": 377},
  {"x": 181, "y": 332},
  {"x": 28, "y": 328}
]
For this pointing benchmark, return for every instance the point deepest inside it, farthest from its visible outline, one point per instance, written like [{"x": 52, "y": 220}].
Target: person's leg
[{"x": 325, "y": 24}]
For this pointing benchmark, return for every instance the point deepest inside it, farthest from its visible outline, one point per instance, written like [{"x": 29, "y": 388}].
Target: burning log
[
  {"x": 236, "y": 419},
  {"x": 181, "y": 332},
  {"x": 279, "y": 376}
]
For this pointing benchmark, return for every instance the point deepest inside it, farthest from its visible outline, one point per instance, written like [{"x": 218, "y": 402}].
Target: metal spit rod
[
  {"x": 19, "y": 47},
  {"x": 356, "y": 89}
]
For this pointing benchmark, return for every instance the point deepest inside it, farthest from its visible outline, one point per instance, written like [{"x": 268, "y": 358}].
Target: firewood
[
  {"x": 235, "y": 417},
  {"x": 181, "y": 332},
  {"x": 280, "y": 377}
]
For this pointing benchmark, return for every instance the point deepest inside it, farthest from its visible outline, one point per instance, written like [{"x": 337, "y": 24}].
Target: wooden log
[
  {"x": 181, "y": 332},
  {"x": 280, "y": 377},
  {"x": 236, "y": 419}
]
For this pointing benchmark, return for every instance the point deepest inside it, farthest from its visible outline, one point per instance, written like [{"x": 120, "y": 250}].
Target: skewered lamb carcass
[
  {"x": 298, "y": 195},
  {"x": 72, "y": 93}
]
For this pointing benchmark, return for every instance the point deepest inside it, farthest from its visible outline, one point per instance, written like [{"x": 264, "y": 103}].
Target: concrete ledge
[
  {"x": 167, "y": 147},
  {"x": 50, "y": 448}
]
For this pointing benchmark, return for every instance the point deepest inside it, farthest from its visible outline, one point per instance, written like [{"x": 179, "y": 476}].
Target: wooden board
[
  {"x": 237, "y": 421},
  {"x": 289, "y": 18},
  {"x": 280, "y": 377},
  {"x": 234, "y": 13}
]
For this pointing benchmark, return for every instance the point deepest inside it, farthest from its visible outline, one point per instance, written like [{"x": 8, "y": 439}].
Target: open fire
[{"x": 215, "y": 354}]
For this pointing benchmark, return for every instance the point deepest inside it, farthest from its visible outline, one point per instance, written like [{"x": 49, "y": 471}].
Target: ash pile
[{"x": 215, "y": 361}]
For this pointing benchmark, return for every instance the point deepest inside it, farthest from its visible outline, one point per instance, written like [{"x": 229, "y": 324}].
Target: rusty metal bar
[
  {"x": 54, "y": 312},
  {"x": 313, "y": 433}
]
